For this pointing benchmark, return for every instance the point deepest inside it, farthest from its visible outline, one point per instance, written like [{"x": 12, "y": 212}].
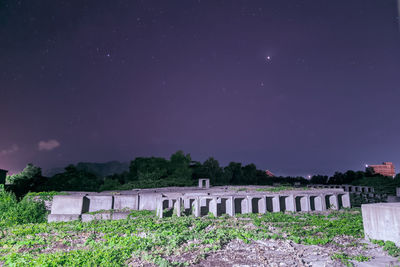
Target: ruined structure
[
  {"x": 198, "y": 201},
  {"x": 385, "y": 169}
]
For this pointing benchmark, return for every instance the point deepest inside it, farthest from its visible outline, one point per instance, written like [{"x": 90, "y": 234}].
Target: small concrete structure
[
  {"x": 206, "y": 181},
  {"x": 382, "y": 221}
]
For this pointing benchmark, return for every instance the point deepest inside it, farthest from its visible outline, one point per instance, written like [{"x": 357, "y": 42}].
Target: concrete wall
[
  {"x": 197, "y": 202},
  {"x": 382, "y": 221}
]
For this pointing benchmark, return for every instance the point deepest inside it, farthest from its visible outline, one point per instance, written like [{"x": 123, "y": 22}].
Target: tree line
[{"x": 150, "y": 172}]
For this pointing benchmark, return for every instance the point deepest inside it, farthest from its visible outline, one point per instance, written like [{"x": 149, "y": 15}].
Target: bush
[{"x": 13, "y": 212}]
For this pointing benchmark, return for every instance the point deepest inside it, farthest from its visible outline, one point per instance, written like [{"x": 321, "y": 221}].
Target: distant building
[
  {"x": 270, "y": 174},
  {"x": 3, "y": 174},
  {"x": 385, "y": 169}
]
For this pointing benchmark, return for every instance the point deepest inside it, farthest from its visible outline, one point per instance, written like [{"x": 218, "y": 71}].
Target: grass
[{"x": 162, "y": 241}]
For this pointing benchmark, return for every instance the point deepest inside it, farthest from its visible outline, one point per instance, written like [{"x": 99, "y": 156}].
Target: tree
[
  {"x": 212, "y": 170},
  {"x": 319, "y": 179}
]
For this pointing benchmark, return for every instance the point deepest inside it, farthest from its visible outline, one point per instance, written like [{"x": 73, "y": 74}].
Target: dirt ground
[{"x": 281, "y": 253}]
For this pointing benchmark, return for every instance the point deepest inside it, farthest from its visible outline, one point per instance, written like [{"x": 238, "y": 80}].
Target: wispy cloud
[
  {"x": 48, "y": 145},
  {"x": 14, "y": 148}
]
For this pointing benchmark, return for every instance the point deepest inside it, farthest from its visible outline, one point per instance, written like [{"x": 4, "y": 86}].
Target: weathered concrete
[
  {"x": 63, "y": 217},
  {"x": 87, "y": 217},
  {"x": 228, "y": 200},
  {"x": 129, "y": 202},
  {"x": 69, "y": 204},
  {"x": 97, "y": 203},
  {"x": 382, "y": 221},
  {"x": 204, "y": 183}
]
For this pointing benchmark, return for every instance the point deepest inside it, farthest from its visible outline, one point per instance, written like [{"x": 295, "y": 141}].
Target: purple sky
[{"x": 297, "y": 87}]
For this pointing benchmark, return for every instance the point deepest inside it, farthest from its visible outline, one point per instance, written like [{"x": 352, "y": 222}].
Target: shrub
[{"x": 13, "y": 212}]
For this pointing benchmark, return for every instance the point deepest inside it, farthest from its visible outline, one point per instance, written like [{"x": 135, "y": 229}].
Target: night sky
[{"x": 295, "y": 86}]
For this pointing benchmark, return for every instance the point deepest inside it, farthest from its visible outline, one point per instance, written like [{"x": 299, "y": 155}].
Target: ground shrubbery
[{"x": 13, "y": 212}]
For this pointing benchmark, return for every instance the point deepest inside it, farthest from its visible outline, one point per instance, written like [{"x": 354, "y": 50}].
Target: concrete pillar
[
  {"x": 207, "y": 183},
  {"x": 397, "y": 191},
  {"x": 160, "y": 209},
  {"x": 186, "y": 203},
  {"x": 305, "y": 203},
  {"x": 178, "y": 207},
  {"x": 316, "y": 203},
  {"x": 230, "y": 206},
  {"x": 213, "y": 206},
  {"x": 333, "y": 201},
  {"x": 196, "y": 207},
  {"x": 262, "y": 205},
  {"x": 276, "y": 207},
  {"x": 372, "y": 190},
  {"x": 290, "y": 203},
  {"x": 249, "y": 201},
  {"x": 346, "y": 200}
]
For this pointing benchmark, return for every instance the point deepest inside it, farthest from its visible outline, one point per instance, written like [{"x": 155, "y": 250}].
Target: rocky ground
[{"x": 282, "y": 253}]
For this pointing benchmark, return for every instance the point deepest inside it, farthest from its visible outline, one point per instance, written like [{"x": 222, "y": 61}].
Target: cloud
[
  {"x": 48, "y": 145},
  {"x": 14, "y": 148}
]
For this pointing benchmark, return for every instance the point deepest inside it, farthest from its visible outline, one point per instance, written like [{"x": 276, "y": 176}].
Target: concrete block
[
  {"x": 317, "y": 203},
  {"x": 119, "y": 215},
  {"x": 275, "y": 204},
  {"x": 98, "y": 216},
  {"x": 344, "y": 200},
  {"x": 63, "y": 217},
  {"x": 381, "y": 221},
  {"x": 230, "y": 206},
  {"x": 148, "y": 201},
  {"x": 398, "y": 191},
  {"x": 97, "y": 203},
  {"x": 130, "y": 202},
  {"x": 213, "y": 206},
  {"x": 69, "y": 204}
]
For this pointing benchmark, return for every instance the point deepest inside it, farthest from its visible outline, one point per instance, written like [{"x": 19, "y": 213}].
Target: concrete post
[
  {"x": 262, "y": 205},
  {"x": 177, "y": 207},
  {"x": 207, "y": 183},
  {"x": 304, "y": 203},
  {"x": 230, "y": 206},
  {"x": 196, "y": 207},
  {"x": 323, "y": 202},
  {"x": 276, "y": 206},
  {"x": 213, "y": 206},
  {"x": 397, "y": 191},
  {"x": 159, "y": 211},
  {"x": 346, "y": 200}
]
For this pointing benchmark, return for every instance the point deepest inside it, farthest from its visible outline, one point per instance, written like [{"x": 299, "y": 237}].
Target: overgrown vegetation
[
  {"x": 14, "y": 212},
  {"x": 163, "y": 241}
]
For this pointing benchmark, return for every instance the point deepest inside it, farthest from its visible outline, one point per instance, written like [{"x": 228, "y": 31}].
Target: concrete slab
[
  {"x": 382, "y": 221},
  {"x": 97, "y": 203},
  {"x": 98, "y": 216},
  {"x": 69, "y": 204},
  {"x": 63, "y": 217},
  {"x": 130, "y": 202}
]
